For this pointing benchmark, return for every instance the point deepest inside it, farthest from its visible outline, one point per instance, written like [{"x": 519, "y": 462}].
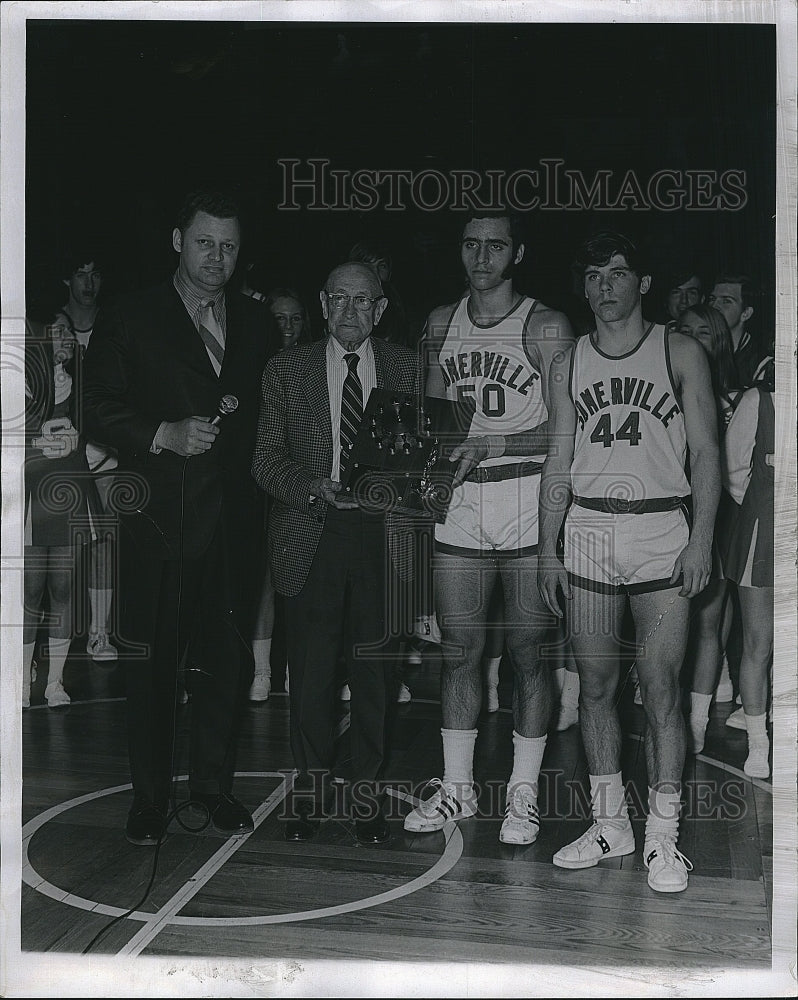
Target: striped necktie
[
  {"x": 351, "y": 410},
  {"x": 212, "y": 335}
]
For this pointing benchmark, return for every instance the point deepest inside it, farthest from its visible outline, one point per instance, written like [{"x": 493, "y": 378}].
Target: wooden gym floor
[{"x": 456, "y": 896}]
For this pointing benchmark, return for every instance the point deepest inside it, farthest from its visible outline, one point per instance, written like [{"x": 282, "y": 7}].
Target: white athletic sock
[
  {"x": 57, "y": 650},
  {"x": 527, "y": 758},
  {"x": 100, "y": 602},
  {"x": 27, "y": 660},
  {"x": 261, "y": 650},
  {"x": 492, "y": 670},
  {"x": 458, "y": 755},
  {"x": 756, "y": 726},
  {"x": 608, "y": 799},
  {"x": 663, "y": 810},
  {"x": 699, "y": 708},
  {"x": 570, "y": 690}
]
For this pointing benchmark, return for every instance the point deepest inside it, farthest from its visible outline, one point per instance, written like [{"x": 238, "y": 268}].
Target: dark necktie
[
  {"x": 351, "y": 409},
  {"x": 212, "y": 335}
]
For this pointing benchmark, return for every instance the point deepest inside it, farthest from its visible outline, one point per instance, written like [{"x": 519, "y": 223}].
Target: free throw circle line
[
  {"x": 453, "y": 850},
  {"x": 451, "y": 855}
]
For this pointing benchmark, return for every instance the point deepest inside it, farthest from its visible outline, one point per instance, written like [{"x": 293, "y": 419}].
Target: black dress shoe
[
  {"x": 145, "y": 826},
  {"x": 227, "y": 814},
  {"x": 371, "y": 831}
]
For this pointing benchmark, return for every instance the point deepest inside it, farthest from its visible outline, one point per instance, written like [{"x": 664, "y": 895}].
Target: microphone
[{"x": 227, "y": 404}]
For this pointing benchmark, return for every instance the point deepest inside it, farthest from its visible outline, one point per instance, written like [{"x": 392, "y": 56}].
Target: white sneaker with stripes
[
  {"x": 602, "y": 840},
  {"x": 667, "y": 866},
  {"x": 448, "y": 803},
  {"x": 521, "y": 818},
  {"x": 99, "y": 647},
  {"x": 427, "y": 629}
]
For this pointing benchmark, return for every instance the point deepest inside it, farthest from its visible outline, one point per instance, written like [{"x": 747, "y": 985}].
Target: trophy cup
[{"x": 396, "y": 463}]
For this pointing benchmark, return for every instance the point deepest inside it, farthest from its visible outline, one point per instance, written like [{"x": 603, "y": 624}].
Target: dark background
[{"x": 124, "y": 116}]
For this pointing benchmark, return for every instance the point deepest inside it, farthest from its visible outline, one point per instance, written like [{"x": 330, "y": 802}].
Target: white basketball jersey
[
  {"x": 630, "y": 440},
  {"x": 489, "y": 372}
]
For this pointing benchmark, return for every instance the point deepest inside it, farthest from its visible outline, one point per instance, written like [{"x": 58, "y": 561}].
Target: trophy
[{"x": 396, "y": 462}]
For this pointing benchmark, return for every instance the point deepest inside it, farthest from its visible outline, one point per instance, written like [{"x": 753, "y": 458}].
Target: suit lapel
[
  {"x": 193, "y": 351},
  {"x": 385, "y": 366},
  {"x": 314, "y": 384},
  {"x": 233, "y": 331}
]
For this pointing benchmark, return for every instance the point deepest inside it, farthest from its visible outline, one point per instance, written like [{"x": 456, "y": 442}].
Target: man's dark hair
[
  {"x": 678, "y": 276},
  {"x": 516, "y": 222},
  {"x": 219, "y": 204},
  {"x": 77, "y": 257},
  {"x": 368, "y": 252},
  {"x": 599, "y": 249},
  {"x": 749, "y": 290}
]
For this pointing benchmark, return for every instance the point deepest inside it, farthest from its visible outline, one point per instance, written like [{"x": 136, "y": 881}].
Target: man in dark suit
[
  {"x": 329, "y": 557},
  {"x": 158, "y": 365}
]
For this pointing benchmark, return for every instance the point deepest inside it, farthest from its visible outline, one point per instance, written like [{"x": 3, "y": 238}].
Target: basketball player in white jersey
[
  {"x": 630, "y": 404},
  {"x": 487, "y": 362}
]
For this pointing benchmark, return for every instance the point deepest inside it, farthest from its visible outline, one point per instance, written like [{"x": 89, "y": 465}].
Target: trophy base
[{"x": 377, "y": 489}]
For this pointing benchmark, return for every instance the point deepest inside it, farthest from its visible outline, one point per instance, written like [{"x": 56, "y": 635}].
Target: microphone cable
[{"x": 225, "y": 406}]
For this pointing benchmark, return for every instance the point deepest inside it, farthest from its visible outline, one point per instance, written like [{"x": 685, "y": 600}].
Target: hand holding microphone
[
  {"x": 227, "y": 404},
  {"x": 195, "y": 435}
]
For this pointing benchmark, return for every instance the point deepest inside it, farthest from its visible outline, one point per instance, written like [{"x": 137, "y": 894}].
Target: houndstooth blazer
[{"x": 294, "y": 446}]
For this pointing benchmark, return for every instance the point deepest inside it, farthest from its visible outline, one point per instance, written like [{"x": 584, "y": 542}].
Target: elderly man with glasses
[{"x": 329, "y": 557}]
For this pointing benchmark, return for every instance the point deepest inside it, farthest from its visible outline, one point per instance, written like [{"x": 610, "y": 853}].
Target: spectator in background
[
  {"x": 249, "y": 274},
  {"x": 83, "y": 279},
  {"x": 682, "y": 288},
  {"x": 292, "y": 326},
  {"x": 394, "y": 325},
  {"x": 735, "y": 296},
  {"x": 291, "y": 316},
  {"x": 57, "y": 490},
  {"x": 749, "y": 448},
  {"x": 709, "y": 628}
]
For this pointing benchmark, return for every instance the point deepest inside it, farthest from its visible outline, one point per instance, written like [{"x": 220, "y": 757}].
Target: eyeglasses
[{"x": 340, "y": 301}]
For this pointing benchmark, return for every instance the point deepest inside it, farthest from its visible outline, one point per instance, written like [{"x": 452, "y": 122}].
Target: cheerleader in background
[
  {"x": 709, "y": 627},
  {"x": 749, "y": 448},
  {"x": 57, "y": 488}
]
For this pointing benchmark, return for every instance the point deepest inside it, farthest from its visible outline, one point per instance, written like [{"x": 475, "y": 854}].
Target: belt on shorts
[
  {"x": 611, "y": 505},
  {"x": 498, "y": 473}
]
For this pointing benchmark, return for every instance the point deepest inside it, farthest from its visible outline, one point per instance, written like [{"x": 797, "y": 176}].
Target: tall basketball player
[
  {"x": 630, "y": 404},
  {"x": 487, "y": 364}
]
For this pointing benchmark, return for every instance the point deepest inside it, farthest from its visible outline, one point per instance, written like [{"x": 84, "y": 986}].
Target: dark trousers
[
  {"x": 165, "y": 610},
  {"x": 343, "y": 604}
]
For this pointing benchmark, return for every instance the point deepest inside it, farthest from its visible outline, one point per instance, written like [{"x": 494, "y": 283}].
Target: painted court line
[
  {"x": 167, "y": 912},
  {"x": 451, "y": 855},
  {"x": 36, "y": 881}
]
